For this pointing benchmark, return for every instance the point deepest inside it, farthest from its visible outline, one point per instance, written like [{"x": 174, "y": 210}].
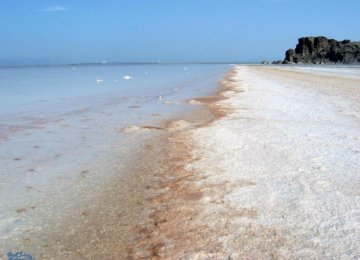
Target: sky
[{"x": 64, "y": 31}]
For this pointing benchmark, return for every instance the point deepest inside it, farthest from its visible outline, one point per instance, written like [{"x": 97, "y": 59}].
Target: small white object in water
[
  {"x": 99, "y": 80},
  {"x": 160, "y": 97},
  {"x": 127, "y": 77}
]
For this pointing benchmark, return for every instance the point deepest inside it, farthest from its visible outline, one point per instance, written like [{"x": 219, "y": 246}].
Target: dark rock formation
[{"x": 320, "y": 50}]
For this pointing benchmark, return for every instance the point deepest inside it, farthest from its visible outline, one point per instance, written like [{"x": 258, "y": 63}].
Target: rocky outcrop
[{"x": 321, "y": 50}]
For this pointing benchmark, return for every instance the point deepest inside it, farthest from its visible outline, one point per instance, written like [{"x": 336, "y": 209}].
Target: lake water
[{"x": 59, "y": 125}]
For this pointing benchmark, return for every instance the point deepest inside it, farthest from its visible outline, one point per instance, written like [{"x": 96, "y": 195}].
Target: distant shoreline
[
  {"x": 119, "y": 64},
  {"x": 172, "y": 63}
]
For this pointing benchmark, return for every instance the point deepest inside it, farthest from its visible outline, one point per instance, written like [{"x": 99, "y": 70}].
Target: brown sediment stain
[
  {"x": 134, "y": 129},
  {"x": 84, "y": 173},
  {"x": 228, "y": 84},
  {"x": 177, "y": 124},
  {"x": 152, "y": 127},
  {"x": 85, "y": 213},
  {"x": 172, "y": 226},
  {"x": 179, "y": 223},
  {"x": 186, "y": 215},
  {"x": 212, "y": 103},
  {"x": 19, "y": 211},
  {"x": 205, "y": 100}
]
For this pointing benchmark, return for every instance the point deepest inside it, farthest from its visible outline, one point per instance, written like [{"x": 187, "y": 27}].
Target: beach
[
  {"x": 262, "y": 163},
  {"x": 274, "y": 174},
  {"x": 190, "y": 130}
]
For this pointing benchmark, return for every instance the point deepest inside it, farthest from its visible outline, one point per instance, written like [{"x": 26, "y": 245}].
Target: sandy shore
[{"x": 275, "y": 174}]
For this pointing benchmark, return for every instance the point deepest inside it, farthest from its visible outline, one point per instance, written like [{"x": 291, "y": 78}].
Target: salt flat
[
  {"x": 277, "y": 177},
  {"x": 296, "y": 138}
]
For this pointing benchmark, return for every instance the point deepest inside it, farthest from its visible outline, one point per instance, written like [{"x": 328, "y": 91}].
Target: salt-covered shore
[
  {"x": 275, "y": 175},
  {"x": 267, "y": 167}
]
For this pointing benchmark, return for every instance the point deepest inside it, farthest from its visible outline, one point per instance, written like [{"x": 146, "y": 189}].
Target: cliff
[{"x": 321, "y": 50}]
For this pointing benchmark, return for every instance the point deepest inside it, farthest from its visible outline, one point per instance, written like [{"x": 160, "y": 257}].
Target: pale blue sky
[{"x": 64, "y": 31}]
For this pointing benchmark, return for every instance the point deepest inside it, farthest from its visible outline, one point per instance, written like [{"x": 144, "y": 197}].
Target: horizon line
[{"x": 125, "y": 63}]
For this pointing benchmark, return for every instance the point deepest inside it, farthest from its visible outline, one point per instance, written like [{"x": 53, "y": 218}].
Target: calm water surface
[{"x": 60, "y": 131}]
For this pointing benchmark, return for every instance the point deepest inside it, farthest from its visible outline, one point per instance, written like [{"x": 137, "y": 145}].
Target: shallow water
[{"x": 60, "y": 131}]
